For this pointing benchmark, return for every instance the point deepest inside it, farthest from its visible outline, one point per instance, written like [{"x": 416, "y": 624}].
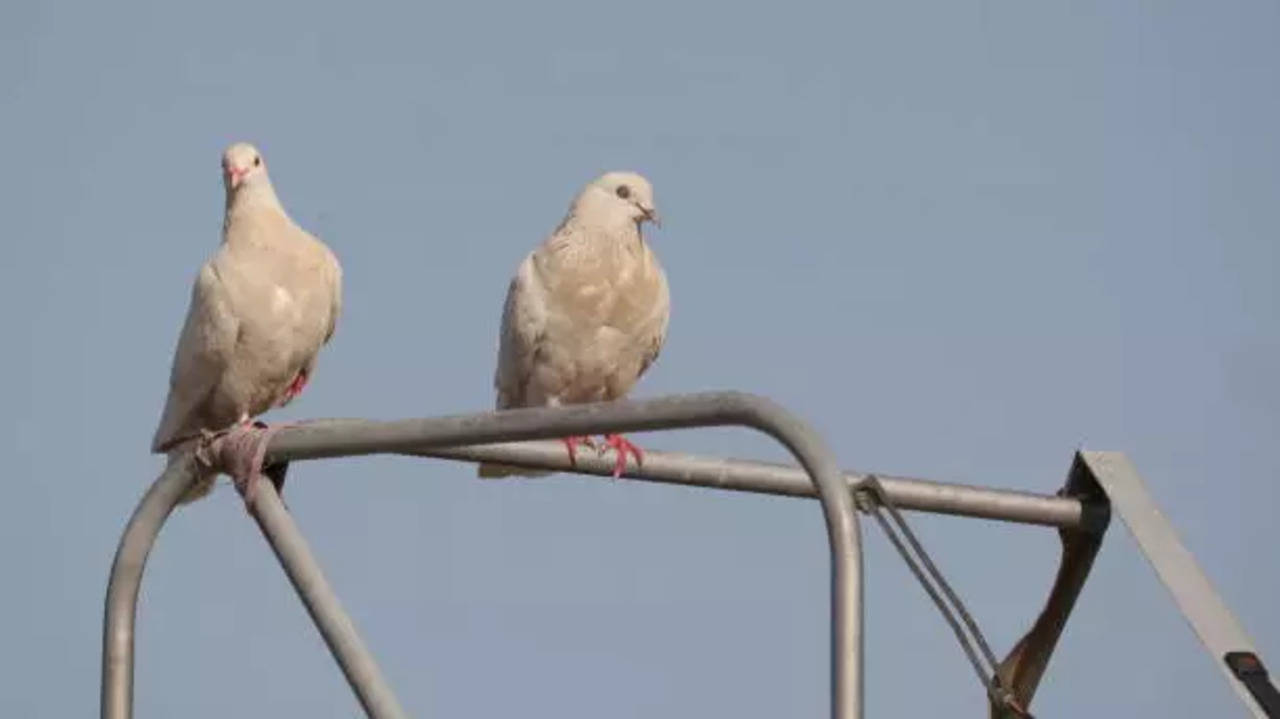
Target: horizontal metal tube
[{"x": 780, "y": 479}]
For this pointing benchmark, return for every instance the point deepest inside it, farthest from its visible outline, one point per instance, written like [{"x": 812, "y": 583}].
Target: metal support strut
[
  {"x": 1217, "y": 627},
  {"x": 358, "y": 437},
  {"x": 339, "y": 632}
]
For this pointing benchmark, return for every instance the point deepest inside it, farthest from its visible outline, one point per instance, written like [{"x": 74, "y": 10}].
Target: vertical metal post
[
  {"x": 844, "y": 540},
  {"x": 126, "y": 579}
]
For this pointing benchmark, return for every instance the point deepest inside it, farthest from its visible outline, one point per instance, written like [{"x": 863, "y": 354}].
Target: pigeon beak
[
  {"x": 235, "y": 176},
  {"x": 651, "y": 214}
]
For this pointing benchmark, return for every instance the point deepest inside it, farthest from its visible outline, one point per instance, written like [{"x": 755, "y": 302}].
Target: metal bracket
[
  {"x": 1248, "y": 668},
  {"x": 1025, "y": 665}
]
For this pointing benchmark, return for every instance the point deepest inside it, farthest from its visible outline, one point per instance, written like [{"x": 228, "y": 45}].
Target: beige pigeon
[
  {"x": 261, "y": 309},
  {"x": 587, "y": 312}
]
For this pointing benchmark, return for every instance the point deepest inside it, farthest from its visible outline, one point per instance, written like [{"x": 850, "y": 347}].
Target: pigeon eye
[
  {"x": 623, "y": 191},
  {"x": 257, "y": 160}
]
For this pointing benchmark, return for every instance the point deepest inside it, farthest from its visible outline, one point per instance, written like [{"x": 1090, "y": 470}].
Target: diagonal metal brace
[
  {"x": 1215, "y": 625},
  {"x": 1022, "y": 669}
]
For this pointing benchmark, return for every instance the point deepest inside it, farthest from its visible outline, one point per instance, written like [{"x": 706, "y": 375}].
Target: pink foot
[
  {"x": 245, "y": 449},
  {"x": 571, "y": 444},
  {"x": 622, "y": 446}
]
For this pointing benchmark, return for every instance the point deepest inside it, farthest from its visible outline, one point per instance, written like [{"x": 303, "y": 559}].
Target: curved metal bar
[
  {"x": 332, "y": 438},
  {"x": 126, "y": 579},
  {"x": 335, "y": 625},
  {"x": 335, "y": 438}
]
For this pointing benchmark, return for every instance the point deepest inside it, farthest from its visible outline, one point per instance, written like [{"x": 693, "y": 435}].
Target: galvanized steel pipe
[
  {"x": 335, "y": 625},
  {"x": 335, "y": 438},
  {"x": 785, "y": 480}
]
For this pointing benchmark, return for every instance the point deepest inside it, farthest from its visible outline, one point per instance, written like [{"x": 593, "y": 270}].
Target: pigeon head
[
  {"x": 242, "y": 165},
  {"x": 619, "y": 196}
]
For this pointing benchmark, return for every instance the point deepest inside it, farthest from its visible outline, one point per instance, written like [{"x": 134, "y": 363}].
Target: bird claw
[
  {"x": 204, "y": 446},
  {"x": 571, "y": 443},
  {"x": 240, "y": 451},
  {"x": 622, "y": 446}
]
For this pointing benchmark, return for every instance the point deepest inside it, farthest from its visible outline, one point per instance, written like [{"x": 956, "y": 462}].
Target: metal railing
[
  {"x": 357, "y": 437},
  {"x": 1080, "y": 513}
]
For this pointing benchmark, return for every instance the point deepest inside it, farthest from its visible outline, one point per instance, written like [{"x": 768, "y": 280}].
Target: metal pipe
[
  {"x": 126, "y": 578},
  {"x": 1023, "y": 668},
  {"x": 322, "y": 604},
  {"x": 1195, "y": 596},
  {"x": 781, "y": 479},
  {"x": 354, "y": 437},
  {"x": 335, "y": 438}
]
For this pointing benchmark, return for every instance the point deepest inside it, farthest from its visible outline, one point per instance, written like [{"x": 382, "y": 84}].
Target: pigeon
[
  {"x": 262, "y": 307},
  {"x": 586, "y": 313}
]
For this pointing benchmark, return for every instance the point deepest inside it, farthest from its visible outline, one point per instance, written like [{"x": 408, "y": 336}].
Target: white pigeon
[
  {"x": 261, "y": 309},
  {"x": 587, "y": 312}
]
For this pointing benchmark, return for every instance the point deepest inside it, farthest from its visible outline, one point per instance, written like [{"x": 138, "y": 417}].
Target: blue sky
[{"x": 962, "y": 239}]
